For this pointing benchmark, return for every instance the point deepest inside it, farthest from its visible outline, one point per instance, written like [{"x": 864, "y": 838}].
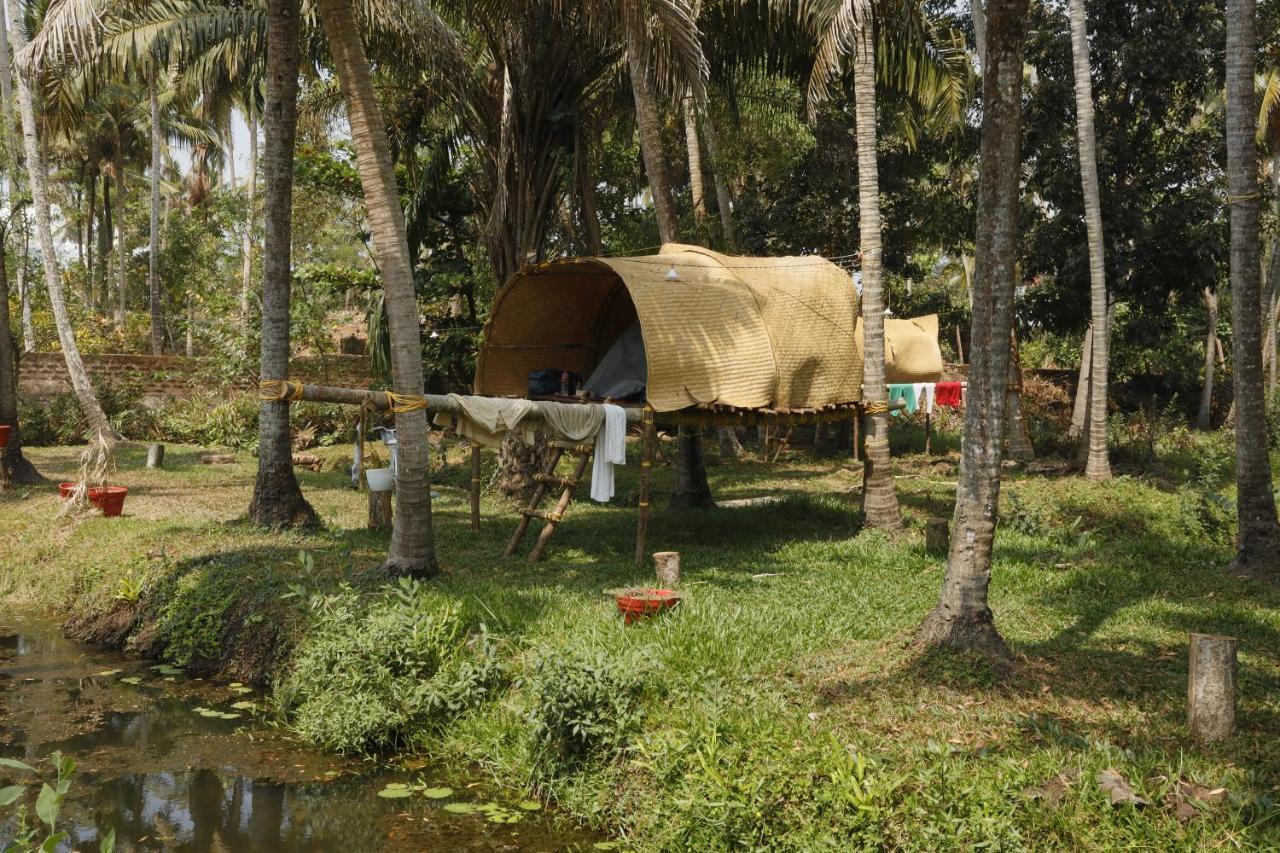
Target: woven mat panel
[
  {"x": 541, "y": 321},
  {"x": 704, "y": 339},
  {"x": 911, "y": 352}
]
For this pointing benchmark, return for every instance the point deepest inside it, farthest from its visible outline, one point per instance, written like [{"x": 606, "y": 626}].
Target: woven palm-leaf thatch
[
  {"x": 745, "y": 333},
  {"x": 911, "y": 351}
]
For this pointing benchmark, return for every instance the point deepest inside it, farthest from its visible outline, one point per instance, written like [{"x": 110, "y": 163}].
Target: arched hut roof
[{"x": 745, "y": 333}]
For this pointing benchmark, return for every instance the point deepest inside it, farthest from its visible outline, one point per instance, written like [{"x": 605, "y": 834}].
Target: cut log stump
[
  {"x": 155, "y": 456},
  {"x": 1211, "y": 688},
  {"x": 937, "y": 535},
  {"x": 667, "y": 565},
  {"x": 379, "y": 510}
]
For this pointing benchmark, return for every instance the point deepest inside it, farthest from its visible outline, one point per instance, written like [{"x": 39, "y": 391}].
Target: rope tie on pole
[
  {"x": 401, "y": 403},
  {"x": 287, "y": 390}
]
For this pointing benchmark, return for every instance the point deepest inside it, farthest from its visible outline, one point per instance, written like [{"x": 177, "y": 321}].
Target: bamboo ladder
[{"x": 545, "y": 480}]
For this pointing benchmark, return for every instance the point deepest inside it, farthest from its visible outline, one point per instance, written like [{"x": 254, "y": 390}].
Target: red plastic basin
[
  {"x": 109, "y": 499},
  {"x": 65, "y": 489},
  {"x": 5, "y": 431},
  {"x": 635, "y": 604}
]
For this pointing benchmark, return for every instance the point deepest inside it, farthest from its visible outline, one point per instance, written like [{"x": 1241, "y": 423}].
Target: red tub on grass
[
  {"x": 635, "y": 604},
  {"x": 109, "y": 499}
]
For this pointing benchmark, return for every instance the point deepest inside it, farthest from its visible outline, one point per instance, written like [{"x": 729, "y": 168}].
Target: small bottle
[{"x": 564, "y": 383}]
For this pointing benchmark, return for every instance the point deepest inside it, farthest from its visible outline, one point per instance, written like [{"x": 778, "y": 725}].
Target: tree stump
[
  {"x": 667, "y": 564},
  {"x": 379, "y": 510},
  {"x": 937, "y": 535},
  {"x": 1211, "y": 688},
  {"x": 155, "y": 456}
]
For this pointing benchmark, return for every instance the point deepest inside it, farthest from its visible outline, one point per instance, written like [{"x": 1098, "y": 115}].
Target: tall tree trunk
[
  {"x": 277, "y": 498},
  {"x": 880, "y": 501},
  {"x": 1258, "y": 543},
  {"x": 1097, "y": 464},
  {"x": 1080, "y": 406},
  {"x": 153, "y": 247},
  {"x": 1210, "y": 350},
  {"x": 588, "y": 215},
  {"x": 977, "y": 7},
  {"x": 963, "y": 618},
  {"x": 102, "y": 287},
  {"x": 691, "y": 486},
  {"x": 16, "y": 467},
  {"x": 122, "y": 254},
  {"x": 412, "y": 538},
  {"x": 649, "y": 128},
  {"x": 724, "y": 201},
  {"x": 695, "y": 156},
  {"x": 6, "y": 97},
  {"x": 37, "y": 175},
  {"x": 246, "y": 268},
  {"x": 1017, "y": 436},
  {"x": 1271, "y": 295},
  {"x": 24, "y": 291}
]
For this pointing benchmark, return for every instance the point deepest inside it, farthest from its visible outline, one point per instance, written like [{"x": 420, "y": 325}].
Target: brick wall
[{"x": 42, "y": 375}]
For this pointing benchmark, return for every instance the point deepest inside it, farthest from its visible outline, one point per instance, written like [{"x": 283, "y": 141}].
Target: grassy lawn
[{"x": 780, "y": 706}]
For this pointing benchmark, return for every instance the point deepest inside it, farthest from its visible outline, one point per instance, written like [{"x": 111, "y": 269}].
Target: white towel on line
[
  {"x": 924, "y": 395},
  {"x": 611, "y": 449}
]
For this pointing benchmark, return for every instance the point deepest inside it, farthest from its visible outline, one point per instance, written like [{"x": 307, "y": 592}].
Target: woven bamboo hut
[{"x": 709, "y": 334}]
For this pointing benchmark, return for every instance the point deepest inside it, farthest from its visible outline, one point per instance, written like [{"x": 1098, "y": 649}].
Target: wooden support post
[
  {"x": 648, "y": 444},
  {"x": 155, "y": 456},
  {"x": 856, "y": 422},
  {"x": 1211, "y": 688},
  {"x": 379, "y": 510},
  {"x": 666, "y": 565},
  {"x": 928, "y": 430},
  {"x": 566, "y": 497},
  {"x": 362, "y": 427},
  {"x": 937, "y": 536},
  {"x": 538, "y": 492},
  {"x": 475, "y": 487}
]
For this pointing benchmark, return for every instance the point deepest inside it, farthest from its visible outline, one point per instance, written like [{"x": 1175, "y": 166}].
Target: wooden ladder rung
[
  {"x": 545, "y": 516},
  {"x": 552, "y": 480}
]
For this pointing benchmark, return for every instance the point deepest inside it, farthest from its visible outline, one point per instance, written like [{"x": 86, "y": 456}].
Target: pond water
[{"x": 168, "y": 763}]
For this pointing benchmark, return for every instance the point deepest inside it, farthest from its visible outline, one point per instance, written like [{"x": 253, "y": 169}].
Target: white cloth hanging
[
  {"x": 611, "y": 449},
  {"x": 924, "y": 395}
]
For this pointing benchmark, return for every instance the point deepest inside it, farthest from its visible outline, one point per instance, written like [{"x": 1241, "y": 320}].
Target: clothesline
[{"x": 915, "y": 395}]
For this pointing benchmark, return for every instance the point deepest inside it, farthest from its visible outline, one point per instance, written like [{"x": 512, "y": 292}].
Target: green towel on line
[{"x": 904, "y": 392}]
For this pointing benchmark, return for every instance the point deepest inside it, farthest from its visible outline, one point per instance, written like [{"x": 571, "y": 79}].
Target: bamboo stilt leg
[
  {"x": 856, "y": 420},
  {"x": 475, "y": 487},
  {"x": 538, "y": 492},
  {"x": 566, "y": 497},
  {"x": 928, "y": 431},
  {"x": 646, "y": 471}
]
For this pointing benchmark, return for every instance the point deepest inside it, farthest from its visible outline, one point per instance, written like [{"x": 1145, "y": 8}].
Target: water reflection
[{"x": 165, "y": 777}]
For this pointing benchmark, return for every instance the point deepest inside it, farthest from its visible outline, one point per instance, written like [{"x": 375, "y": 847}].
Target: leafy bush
[
  {"x": 583, "y": 707},
  {"x": 375, "y": 669}
]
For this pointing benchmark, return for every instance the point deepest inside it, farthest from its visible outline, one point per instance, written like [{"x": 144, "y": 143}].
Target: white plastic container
[{"x": 380, "y": 479}]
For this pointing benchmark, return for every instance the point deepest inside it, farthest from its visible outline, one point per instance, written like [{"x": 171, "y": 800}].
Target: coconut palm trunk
[
  {"x": 277, "y": 499},
  {"x": 962, "y": 618},
  {"x": 1097, "y": 464},
  {"x": 694, "y": 149},
  {"x": 37, "y": 176},
  {"x": 1258, "y": 542},
  {"x": 10, "y": 153},
  {"x": 1210, "y": 351},
  {"x": 691, "y": 486},
  {"x": 724, "y": 201},
  {"x": 24, "y": 292},
  {"x": 1271, "y": 294},
  {"x": 121, "y": 252},
  {"x": 880, "y": 502},
  {"x": 153, "y": 247},
  {"x": 16, "y": 467},
  {"x": 246, "y": 269},
  {"x": 412, "y": 539}
]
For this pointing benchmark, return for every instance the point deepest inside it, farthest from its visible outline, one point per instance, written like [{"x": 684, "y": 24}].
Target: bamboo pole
[
  {"x": 475, "y": 487},
  {"x": 646, "y": 473}
]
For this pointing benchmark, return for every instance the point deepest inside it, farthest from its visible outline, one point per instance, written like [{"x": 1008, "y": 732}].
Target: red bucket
[
  {"x": 65, "y": 490},
  {"x": 5, "y": 431},
  {"x": 635, "y": 604},
  {"x": 109, "y": 499}
]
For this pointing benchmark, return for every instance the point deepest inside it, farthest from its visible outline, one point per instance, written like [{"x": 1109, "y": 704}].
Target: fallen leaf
[
  {"x": 1118, "y": 790},
  {"x": 1054, "y": 790},
  {"x": 1192, "y": 791}
]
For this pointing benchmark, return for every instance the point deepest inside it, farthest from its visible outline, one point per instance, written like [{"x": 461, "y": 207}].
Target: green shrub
[
  {"x": 584, "y": 707},
  {"x": 373, "y": 670}
]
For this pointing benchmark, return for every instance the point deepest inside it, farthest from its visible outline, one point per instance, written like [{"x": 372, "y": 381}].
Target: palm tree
[
  {"x": 1269, "y": 139},
  {"x": 277, "y": 499},
  {"x": 880, "y": 502},
  {"x": 963, "y": 617},
  {"x": 14, "y": 466},
  {"x": 1258, "y": 542},
  {"x": 37, "y": 176},
  {"x": 1097, "y": 465},
  {"x": 848, "y": 28},
  {"x": 412, "y": 539}
]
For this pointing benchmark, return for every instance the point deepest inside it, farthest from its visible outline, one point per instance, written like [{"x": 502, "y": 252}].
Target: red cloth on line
[{"x": 948, "y": 394}]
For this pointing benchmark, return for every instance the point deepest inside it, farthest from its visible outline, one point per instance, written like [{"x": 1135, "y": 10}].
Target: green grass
[{"x": 781, "y": 705}]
